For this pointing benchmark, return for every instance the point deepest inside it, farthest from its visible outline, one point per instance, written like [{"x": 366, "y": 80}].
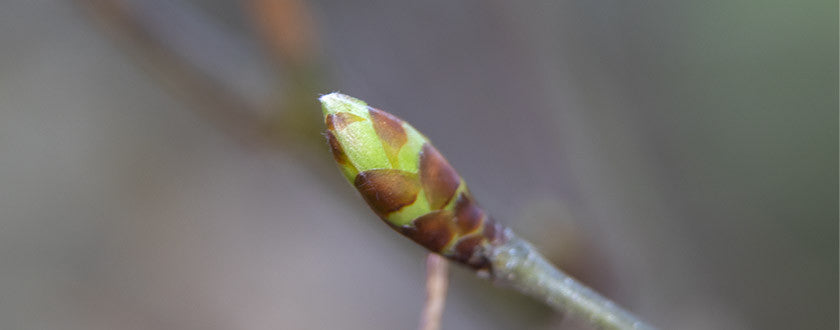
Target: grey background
[{"x": 690, "y": 146}]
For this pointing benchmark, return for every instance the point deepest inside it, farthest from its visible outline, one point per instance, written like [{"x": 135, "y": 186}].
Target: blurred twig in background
[
  {"x": 437, "y": 271},
  {"x": 261, "y": 101},
  {"x": 191, "y": 56},
  {"x": 287, "y": 29},
  {"x": 225, "y": 78}
]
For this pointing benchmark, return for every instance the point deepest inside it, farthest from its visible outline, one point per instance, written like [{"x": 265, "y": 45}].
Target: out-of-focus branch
[
  {"x": 437, "y": 271},
  {"x": 223, "y": 76},
  {"x": 287, "y": 28}
]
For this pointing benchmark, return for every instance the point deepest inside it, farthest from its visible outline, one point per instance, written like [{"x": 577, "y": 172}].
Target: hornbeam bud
[{"x": 407, "y": 182}]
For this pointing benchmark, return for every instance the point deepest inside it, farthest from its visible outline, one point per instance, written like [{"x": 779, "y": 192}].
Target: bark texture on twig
[{"x": 518, "y": 264}]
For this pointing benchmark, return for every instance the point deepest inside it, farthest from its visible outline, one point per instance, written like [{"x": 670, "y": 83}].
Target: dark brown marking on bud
[
  {"x": 468, "y": 216},
  {"x": 433, "y": 230},
  {"x": 341, "y": 120},
  {"x": 493, "y": 231},
  {"x": 390, "y": 131},
  {"x": 338, "y": 151},
  {"x": 439, "y": 179},
  {"x": 466, "y": 249},
  {"x": 387, "y": 190}
]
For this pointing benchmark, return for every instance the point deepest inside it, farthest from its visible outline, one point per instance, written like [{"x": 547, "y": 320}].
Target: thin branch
[
  {"x": 518, "y": 264},
  {"x": 196, "y": 58},
  {"x": 288, "y": 32},
  {"x": 287, "y": 28},
  {"x": 437, "y": 271},
  {"x": 492, "y": 250}
]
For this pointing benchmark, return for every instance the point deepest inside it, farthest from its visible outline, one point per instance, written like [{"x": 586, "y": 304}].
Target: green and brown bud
[{"x": 407, "y": 182}]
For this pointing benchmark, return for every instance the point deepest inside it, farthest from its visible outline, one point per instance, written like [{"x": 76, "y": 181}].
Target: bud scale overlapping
[{"x": 407, "y": 182}]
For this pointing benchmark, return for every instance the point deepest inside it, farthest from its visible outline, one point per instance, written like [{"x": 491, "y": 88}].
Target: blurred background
[{"x": 161, "y": 165}]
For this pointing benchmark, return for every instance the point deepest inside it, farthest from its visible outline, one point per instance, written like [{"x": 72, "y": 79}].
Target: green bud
[{"x": 406, "y": 181}]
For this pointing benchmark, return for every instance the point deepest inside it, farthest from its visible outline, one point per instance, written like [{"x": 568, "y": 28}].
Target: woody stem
[
  {"x": 437, "y": 271},
  {"x": 518, "y": 264}
]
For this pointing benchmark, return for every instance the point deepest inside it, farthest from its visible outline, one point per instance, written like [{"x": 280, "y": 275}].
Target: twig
[
  {"x": 288, "y": 29},
  {"x": 518, "y": 264},
  {"x": 411, "y": 186},
  {"x": 202, "y": 62},
  {"x": 437, "y": 270}
]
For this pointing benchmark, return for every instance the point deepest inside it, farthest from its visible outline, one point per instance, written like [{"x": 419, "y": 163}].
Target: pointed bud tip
[{"x": 336, "y": 102}]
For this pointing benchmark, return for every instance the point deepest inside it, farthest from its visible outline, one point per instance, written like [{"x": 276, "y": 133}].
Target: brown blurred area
[{"x": 161, "y": 165}]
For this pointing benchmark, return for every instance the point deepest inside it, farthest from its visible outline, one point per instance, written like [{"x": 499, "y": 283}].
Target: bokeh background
[{"x": 161, "y": 166}]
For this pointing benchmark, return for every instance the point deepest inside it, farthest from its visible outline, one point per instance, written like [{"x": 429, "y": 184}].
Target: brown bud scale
[
  {"x": 387, "y": 190},
  {"x": 341, "y": 120},
  {"x": 433, "y": 230},
  {"x": 337, "y": 151},
  {"x": 439, "y": 179},
  {"x": 468, "y": 216},
  {"x": 391, "y": 133}
]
